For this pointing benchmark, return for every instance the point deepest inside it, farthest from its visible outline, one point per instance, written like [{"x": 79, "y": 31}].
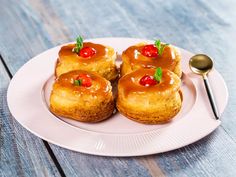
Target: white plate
[{"x": 29, "y": 91}]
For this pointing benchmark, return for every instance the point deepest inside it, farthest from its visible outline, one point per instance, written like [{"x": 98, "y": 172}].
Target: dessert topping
[
  {"x": 83, "y": 80},
  {"x": 149, "y": 51},
  {"x": 85, "y": 52},
  {"x": 153, "y": 50},
  {"x": 148, "y": 80},
  {"x": 160, "y": 47},
  {"x": 78, "y": 45},
  {"x": 158, "y": 74}
]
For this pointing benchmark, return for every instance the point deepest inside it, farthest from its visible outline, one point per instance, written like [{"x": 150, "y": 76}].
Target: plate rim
[{"x": 217, "y": 122}]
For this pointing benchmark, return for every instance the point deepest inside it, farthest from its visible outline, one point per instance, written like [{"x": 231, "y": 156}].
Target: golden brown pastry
[
  {"x": 145, "y": 55},
  {"x": 88, "y": 57},
  {"x": 82, "y": 95},
  {"x": 144, "y": 99}
]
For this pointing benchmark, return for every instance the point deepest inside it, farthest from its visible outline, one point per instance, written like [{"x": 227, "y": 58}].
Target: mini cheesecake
[
  {"x": 82, "y": 95},
  {"x": 143, "y": 99}
]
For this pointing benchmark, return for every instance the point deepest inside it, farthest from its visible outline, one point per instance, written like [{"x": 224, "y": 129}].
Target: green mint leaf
[
  {"x": 78, "y": 45},
  {"x": 78, "y": 82},
  {"x": 158, "y": 74},
  {"x": 158, "y": 44},
  {"x": 160, "y": 47}
]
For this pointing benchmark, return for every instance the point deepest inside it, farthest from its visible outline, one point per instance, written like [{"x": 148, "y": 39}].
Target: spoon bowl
[{"x": 201, "y": 64}]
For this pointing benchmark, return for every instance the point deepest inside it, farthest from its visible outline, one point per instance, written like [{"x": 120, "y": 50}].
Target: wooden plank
[
  {"x": 22, "y": 154},
  {"x": 195, "y": 25},
  {"x": 212, "y": 156}
]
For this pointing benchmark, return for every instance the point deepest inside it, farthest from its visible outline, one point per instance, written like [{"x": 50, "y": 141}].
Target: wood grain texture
[
  {"x": 198, "y": 26},
  {"x": 22, "y": 154}
]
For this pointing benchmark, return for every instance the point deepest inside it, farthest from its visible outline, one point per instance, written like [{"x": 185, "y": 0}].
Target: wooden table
[{"x": 29, "y": 27}]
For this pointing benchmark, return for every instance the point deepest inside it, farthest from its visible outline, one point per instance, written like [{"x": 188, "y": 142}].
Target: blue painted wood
[
  {"x": 22, "y": 154},
  {"x": 198, "y": 26}
]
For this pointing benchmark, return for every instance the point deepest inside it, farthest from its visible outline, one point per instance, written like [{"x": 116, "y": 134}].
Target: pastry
[
  {"x": 87, "y": 56},
  {"x": 82, "y": 95},
  {"x": 145, "y": 55},
  {"x": 149, "y": 96}
]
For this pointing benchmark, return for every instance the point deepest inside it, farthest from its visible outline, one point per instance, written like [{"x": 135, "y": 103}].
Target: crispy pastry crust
[
  {"x": 92, "y": 104},
  {"x": 149, "y": 107}
]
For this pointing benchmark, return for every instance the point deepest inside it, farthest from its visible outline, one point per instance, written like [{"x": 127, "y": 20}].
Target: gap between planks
[{"x": 52, "y": 155}]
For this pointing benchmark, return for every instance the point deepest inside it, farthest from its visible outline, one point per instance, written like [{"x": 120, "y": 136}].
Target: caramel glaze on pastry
[
  {"x": 102, "y": 62},
  {"x": 149, "y": 104},
  {"x": 133, "y": 59},
  {"x": 92, "y": 101}
]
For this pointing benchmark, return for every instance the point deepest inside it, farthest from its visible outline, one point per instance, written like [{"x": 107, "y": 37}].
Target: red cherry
[
  {"x": 147, "y": 80},
  {"x": 150, "y": 51},
  {"x": 86, "y": 80},
  {"x": 87, "y": 52}
]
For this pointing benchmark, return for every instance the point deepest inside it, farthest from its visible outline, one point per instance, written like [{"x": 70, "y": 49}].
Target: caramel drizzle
[
  {"x": 167, "y": 60},
  {"x": 66, "y": 52},
  {"x": 130, "y": 82},
  {"x": 99, "y": 85}
]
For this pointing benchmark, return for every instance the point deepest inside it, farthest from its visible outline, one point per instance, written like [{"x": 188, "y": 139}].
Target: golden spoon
[{"x": 202, "y": 64}]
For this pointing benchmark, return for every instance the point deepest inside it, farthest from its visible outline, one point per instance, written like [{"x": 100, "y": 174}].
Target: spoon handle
[{"x": 210, "y": 96}]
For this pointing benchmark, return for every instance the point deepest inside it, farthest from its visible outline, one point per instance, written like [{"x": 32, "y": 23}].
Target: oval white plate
[{"x": 30, "y": 88}]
